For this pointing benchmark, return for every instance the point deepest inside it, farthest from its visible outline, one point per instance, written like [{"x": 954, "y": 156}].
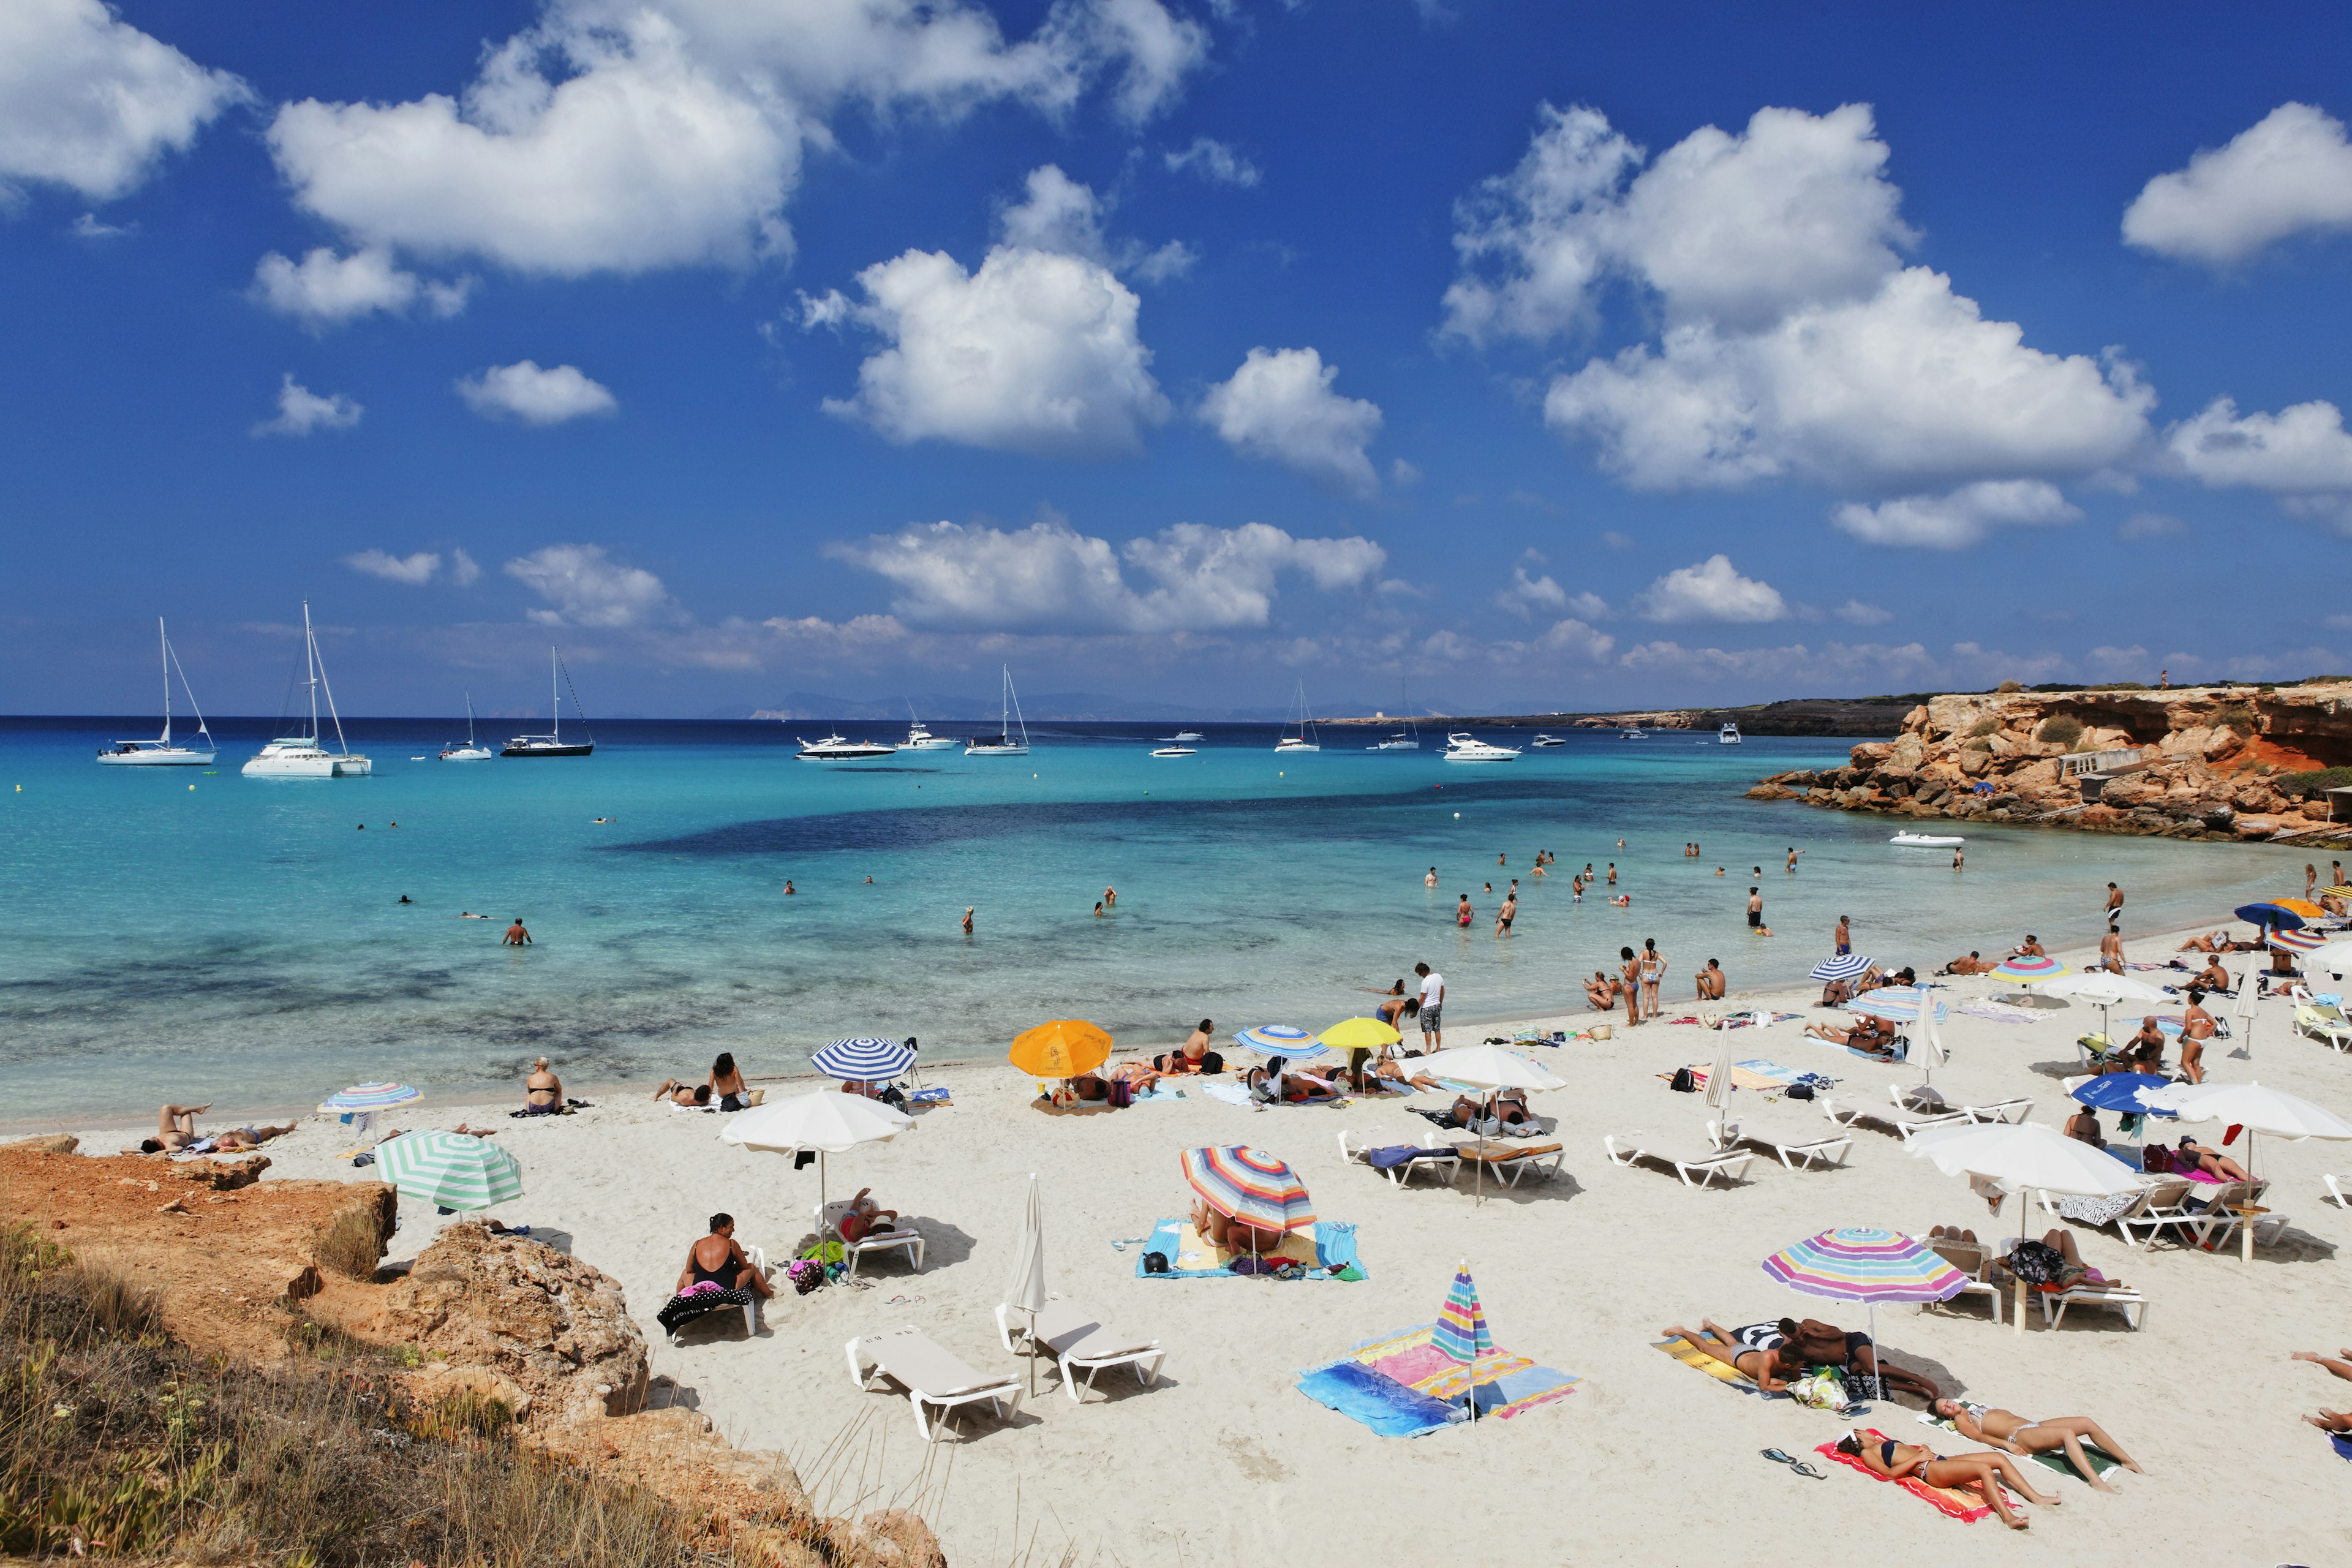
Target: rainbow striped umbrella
[
  {"x": 1461, "y": 1333},
  {"x": 1900, "y": 1004},
  {"x": 1279, "y": 1041},
  {"x": 1249, "y": 1185},
  {"x": 2298, "y": 941},
  {"x": 1862, "y": 1264},
  {"x": 370, "y": 1097},
  {"x": 2027, "y": 970}
]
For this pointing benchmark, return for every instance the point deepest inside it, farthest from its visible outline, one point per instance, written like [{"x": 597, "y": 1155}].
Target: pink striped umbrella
[{"x": 1250, "y": 1186}]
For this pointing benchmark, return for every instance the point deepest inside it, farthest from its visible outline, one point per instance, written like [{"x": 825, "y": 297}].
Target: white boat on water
[
  {"x": 920, "y": 739},
  {"x": 1634, "y": 733},
  {"x": 1008, "y": 714},
  {"x": 1546, "y": 741},
  {"x": 1462, "y": 746},
  {"x": 1727, "y": 736},
  {"x": 473, "y": 750},
  {"x": 301, "y": 756},
  {"x": 1405, "y": 740},
  {"x": 1304, "y": 740},
  {"x": 1928, "y": 840},
  {"x": 554, "y": 745},
  {"x": 1174, "y": 752},
  {"x": 161, "y": 753},
  {"x": 1181, "y": 736},
  {"x": 838, "y": 749}
]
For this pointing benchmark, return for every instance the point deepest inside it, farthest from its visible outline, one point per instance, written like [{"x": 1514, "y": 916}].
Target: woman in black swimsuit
[
  {"x": 1980, "y": 1473},
  {"x": 717, "y": 1261}
]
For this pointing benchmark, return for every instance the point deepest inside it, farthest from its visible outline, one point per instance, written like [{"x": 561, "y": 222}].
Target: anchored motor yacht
[
  {"x": 161, "y": 752},
  {"x": 1548, "y": 741},
  {"x": 836, "y": 748},
  {"x": 1727, "y": 736},
  {"x": 920, "y": 739},
  {"x": 301, "y": 756},
  {"x": 1461, "y": 746},
  {"x": 1174, "y": 752},
  {"x": 1181, "y": 736}
]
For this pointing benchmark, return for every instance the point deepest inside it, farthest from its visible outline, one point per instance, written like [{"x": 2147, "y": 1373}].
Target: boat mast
[
  {"x": 310, "y": 670},
  {"x": 167, "y": 680},
  {"x": 470, "y": 721},
  {"x": 318, "y": 680},
  {"x": 193, "y": 707}
]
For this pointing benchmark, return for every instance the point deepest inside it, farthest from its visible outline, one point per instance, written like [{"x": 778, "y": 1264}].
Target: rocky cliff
[{"x": 2229, "y": 763}]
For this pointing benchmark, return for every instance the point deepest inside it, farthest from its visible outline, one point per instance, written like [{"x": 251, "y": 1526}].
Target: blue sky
[{"x": 1169, "y": 349}]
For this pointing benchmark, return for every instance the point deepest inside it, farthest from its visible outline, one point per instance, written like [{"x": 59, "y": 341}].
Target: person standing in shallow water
[
  {"x": 967, "y": 920},
  {"x": 516, "y": 935}
]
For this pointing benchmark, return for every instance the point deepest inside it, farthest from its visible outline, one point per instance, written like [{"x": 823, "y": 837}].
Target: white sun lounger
[
  {"x": 2130, "y": 1303},
  {"x": 1695, "y": 1169},
  {"x": 2013, "y": 1111},
  {"x": 930, "y": 1375},
  {"x": 1503, "y": 1157},
  {"x": 1903, "y": 1123},
  {"x": 1974, "y": 1260},
  {"x": 1081, "y": 1342},
  {"x": 1445, "y": 1165},
  {"x": 750, "y": 1309},
  {"x": 2326, "y": 1025},
  {"x": 2336, "y": 1190},
  {"x": 1795, "y": 1151},
  {"x": 828, "y": 1224}
]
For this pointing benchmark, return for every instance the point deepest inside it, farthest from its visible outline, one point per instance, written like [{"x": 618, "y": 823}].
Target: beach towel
[
  {"x": 1780, "y": 1074},
  {"x": 1329, "y": 1254},
  {"x": 2342, "y": 1443},
  {"x": 2055, "y": 1460},
  {"x": 1742, "y": 1075},
  {"x": 1753, "y": 1019},
  {"x": 1382, "y": 1404},
  {"x": 1690, "y": 1355},
  {"x": 1231, "y": 1093},
  {"x": 1961, "y": 1506},
  {"x": 1999, "y": 1012},
  {"x": 1088, "y": 1109},
  {"x": 930, "y": 1097},
  {"x": 1390, "y": 1156},
  {"x": 699, "y": 1301},
  {"x": 1402, "y": 1385}
]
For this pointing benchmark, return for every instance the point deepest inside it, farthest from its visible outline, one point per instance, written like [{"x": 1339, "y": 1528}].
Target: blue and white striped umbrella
[
  {"x": 864, "y": 1059},
  {"x": 371, "y": 1097},
  {"x": 1899, "y": 1003},
  {"x": 1845, "y": 967},
  {"x": 1280, "y": 1040}
]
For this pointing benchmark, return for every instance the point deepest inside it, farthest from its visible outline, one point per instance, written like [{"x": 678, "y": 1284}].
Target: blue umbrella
[
  {"x": 864, "y": 1059},
  {"x": 1280, "y": 1040},
  {"x": 1845, "y": 967},
  {"x": 2269, "y": 915},
  {"x": 2120, "y": 1092}
]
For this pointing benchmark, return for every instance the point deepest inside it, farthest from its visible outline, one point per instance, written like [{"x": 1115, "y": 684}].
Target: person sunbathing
[
  {"x": 2029, "y": 948},
  {"x": 1836, "y": 994},
  {"x": 2149, "y": 1038},
  {"x": 1194, "y": 1055},
  {"x": 867, "y": 1220},
  {"x": 1816, "y": 1343},
  {"x": 677, "y": 1091},
  {"x": 716, "y": 1259},
  {"x": 542, "y": 1091},
  {"x": 1508, "y": 1110},
  {"x": 2013, "y": 1434},
  {"x": 1233, "y": 1234},
  {"x": 2054, "y": 1263},
  {"x": 1601, "y": 991},
  {"x": 1712, "y": 983},
  {"x": 1393, "y": 1072},
  {"x": 2083, "y": 1128},
  {"x": 1871, "y": 1035},
  {"x": 1763, "y": 1365},
  {"x": 175, "y": 1129},
  {"x": 1980, "y": 1473},
  {"x": 2196, "y": 1156},
  {"x": 1974, "y": 963},
  {"x": 2213, "y": 942}
]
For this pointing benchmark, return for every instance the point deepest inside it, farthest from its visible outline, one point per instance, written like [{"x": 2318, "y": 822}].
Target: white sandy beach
[{"x": 1647, "y": 1462}]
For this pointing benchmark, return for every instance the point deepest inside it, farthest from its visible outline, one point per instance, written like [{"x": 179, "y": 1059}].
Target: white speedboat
[
  {"x": 1635, "y": 733},
  {"x": 1174, "y": 752},
  {"x": 1304, "y": 740},
  {"x": 836, "y": 749},
  {"x": 554, "y": 745},
  {"x": 161, "y": 753},
  {"x": 1727, "y": 736},
  {"x": 1181, "y": 736},
  {"x": 1546, "y": 741},
  {"x": 1928, "y": 840},
  {"x": 1008, "y": 714},
  {"x": 473, "y": 750},
  {"x": 1464, "y": 747},
  {"x": 920, "y": 739},
  {"x": 301, "y": 756}
]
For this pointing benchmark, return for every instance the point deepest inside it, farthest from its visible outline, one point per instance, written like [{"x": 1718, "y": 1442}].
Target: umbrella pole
[{"x": 2023, "y": 1197}]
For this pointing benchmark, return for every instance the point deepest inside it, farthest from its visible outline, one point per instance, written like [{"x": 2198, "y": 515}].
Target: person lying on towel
[
  {"x": 1763, "y": 1366},
  {"x": 1816, "y": 1343},
  {"x": 1871, "y": 1035},
  {"x": 2013, "y": 1433},
  {"x": 1233, "y": 1234},
  {"x": 1980, "y": 1473}
]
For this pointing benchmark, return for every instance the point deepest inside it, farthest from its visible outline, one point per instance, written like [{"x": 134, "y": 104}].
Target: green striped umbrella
[{"x": 449, "y": 1170}]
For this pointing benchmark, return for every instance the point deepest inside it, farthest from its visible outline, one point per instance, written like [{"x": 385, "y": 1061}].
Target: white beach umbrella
[
  {"x": 828, "y": 1121},
  {"x": 2259, "y": 1110},
  {"x": 1933, "y": 1053},
  {"x": 2025, "y": 1155},
  {"x": 2244, "y": 1007},
  {"x": 2102, "y": 991},
  {"x": 1025, "y": 1291},
  {"x": 1488, "y": 1067},
  {"x": 2335, "y": 959}
]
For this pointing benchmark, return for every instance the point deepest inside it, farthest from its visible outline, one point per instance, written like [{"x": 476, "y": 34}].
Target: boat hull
[
  {"x": 517, "y": 749},
  {"x": 307, "y": 765},
  {"x": 468, "y": 754},
  {"x": 846, "y": 755},
  {"x": 1174, "y": 752},
  {"x": 1928, "y": 840},
  {"x": 157, "y": 757},
  {"x": 996, "y": 750}
]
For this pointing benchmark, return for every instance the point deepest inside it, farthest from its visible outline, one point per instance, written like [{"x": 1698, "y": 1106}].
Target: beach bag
[
  {"x": 1800, "y": 1091},
  {"x": 1822, "y": 1390},
  {"x": 1683, "y": 1081},
  {"x": 1122, "y": 1093},
  {"x": 2037, "y": 1263},
  {"x": 2156, "y": 1159},
  {"x": 806, "y": 1276}
]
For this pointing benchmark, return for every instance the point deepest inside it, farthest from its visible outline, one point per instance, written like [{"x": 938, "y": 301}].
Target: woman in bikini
[
  {"x": 2212, "y": 1162},
  {"x": 1762, "y": 1363},
  {"x": 1652, "y": 970},
  {"x": 2009, "y": 1431},
  {"x": 1980, "y": 1473},
  {"x": 726, "y": 1083}
]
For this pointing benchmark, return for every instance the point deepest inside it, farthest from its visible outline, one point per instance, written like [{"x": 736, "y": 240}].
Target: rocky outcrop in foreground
[{"x": 2204, "y": 763}]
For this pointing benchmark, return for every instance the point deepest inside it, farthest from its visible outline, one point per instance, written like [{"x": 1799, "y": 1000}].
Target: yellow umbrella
[
  {"x": 2341, "y": 890},
  {"x": 1063, "y": 1048},
  {"x": 1358, "y": 1034},
  {"x": 2303, "y": 907}
]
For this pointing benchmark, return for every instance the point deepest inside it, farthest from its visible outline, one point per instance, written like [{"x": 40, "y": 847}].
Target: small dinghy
[{"x": 1928, "y": 840}]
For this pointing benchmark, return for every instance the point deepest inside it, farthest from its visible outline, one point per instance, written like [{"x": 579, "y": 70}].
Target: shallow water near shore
[{"x": 242, "y": 942}]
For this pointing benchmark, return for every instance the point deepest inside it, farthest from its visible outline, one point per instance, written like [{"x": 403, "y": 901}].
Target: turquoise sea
[{"x": 242, "y": 940}]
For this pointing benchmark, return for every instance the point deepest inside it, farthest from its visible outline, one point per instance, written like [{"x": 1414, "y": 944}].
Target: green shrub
[
  {"x": 1987, "y": 725},
  {"x": 2310, "y": 785},
  {"x": 2007, "y": 686},
  {"x": 2059, "y": 729},
  {"x": 1978, "y": 746},
  {"x": 2238, "y": 716}
]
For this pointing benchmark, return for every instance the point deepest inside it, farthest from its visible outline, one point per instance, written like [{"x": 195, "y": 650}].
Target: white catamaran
[
  {"x": 1304, "y": 741},
  {"x": 301, "y": 756},
  {"x": 473, "y": 750},
  {"x": 554, "y": 745},
  {"x": 161, "y": 753},
  {"x": 1008, "y": 715}
]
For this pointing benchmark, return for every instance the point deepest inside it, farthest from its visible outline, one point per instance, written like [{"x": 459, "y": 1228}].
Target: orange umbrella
[
  {"x": 1063, "y": 1048},
  {"x": 2303, "y": 907}
]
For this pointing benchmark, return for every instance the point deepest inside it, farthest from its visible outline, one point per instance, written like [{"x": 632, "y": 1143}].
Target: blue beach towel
[
  {"x": 1334, "y": 1245},
  {"x": 1382, "y": 1404},
  {"x": 2343, "y": 1445}
]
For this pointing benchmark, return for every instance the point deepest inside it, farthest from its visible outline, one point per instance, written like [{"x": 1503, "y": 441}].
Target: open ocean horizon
[{"x": 243, "y": 941}]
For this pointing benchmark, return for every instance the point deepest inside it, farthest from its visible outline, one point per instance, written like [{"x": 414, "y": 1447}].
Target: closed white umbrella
[
  {"x": 2259, "y": 1110},
  {"x": 2246, "y": 1006},
  {"x": 1488, "y": 1067},
  {"x": 1025, "y": 1291},
  {"x": 2026, "y": 1155},
  {"x": 828, "y": 1121}
]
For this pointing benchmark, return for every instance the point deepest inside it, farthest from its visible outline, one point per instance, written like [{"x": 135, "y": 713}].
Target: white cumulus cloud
[
  {"x": 1050, "y": 577},
  {"x": 324, "y": 289},
  {"x": 90, "y": 102},
  {"x": 301, "y": 411},
  {"x": 2289, "y": 172},
  {"x": 1856, "y": 612},
  {"x": 1279, "y": 406},
  {"x": 1036, "y": 351},
  {"x": 1215, "y": 161},
  {"x": 463, "y": 572},
  {"x": 414, "y": 571},
  {"x": 1958, "y": 520},
  {"x": 584, "y": 587},
  {"x": 525, "y": 392},
  {"x": 1526, "y": 595},
  {"x": 2303, "y": 448},
  {"x": 1711, "y": 591}
]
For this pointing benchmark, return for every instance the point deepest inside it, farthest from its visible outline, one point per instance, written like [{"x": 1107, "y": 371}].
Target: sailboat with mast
[
  {"x": 161, "y": 753},
  {"x": 1405, "y": 740},
  {"x": 1008, "y": 715},
  {"x": 302, "y": 756},
  {"x": 555, "y": 745},
  {"x": 1305, "y": 741},
  {"x": 473, "y": 750}
]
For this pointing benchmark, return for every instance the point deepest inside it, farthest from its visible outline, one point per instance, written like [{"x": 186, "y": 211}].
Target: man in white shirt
[{"x": 1432, "y": 1002}]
